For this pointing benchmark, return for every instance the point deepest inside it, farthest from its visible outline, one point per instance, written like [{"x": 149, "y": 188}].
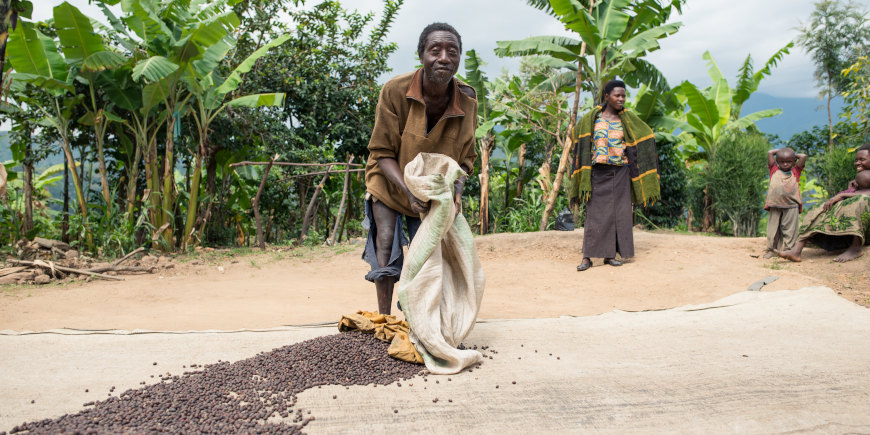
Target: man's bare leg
[
  {"x": 793, "y": 254},
  {"x": 852, "y": 252},
  {"x": 385, "y": 220}
]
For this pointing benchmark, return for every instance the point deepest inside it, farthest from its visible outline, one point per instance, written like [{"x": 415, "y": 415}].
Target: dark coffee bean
[
  {"x": 155, "y": 363},
  {"x": 514, "y": 382},
  {"x": 32, "y": 401},
  {"x": 450, "y": 400},
  {"x": 86, "y": 390},
  {"x": 395, "y": 411}
]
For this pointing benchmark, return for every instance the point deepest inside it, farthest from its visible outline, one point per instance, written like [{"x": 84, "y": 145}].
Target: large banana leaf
[
  {"x": 750, "y": 119},
  {"x": 153, "y": 94},
  {"x": 611, "y": 19},
  {"x": 103, "y": 60},
  {"x": 31, "y": 52},
  {"x": 258, "y": 100},
  {"x": 154, "y": 69},
  {"x": 559, "y": 7},
  {"x": 76, "y": 35},
  {"x": 119, "y": 87},
  {"x": 235, "y": 78},
  {"x": 701, "y": 106},
  {"x": 477, "y": 79},
  {"x": 720, "y": 93},
  {"x": 645, "y": 73},
  {"x": 212, "y": 57},
  {"x": 560, "y": 47},
  {"x": 713, "y": 68},
  {"x": 748, "y": 82},
  {"x": 145, "y": 19},
  {"x": 52, "y": 85},
  {"x": 648, "y": 40},
  {"x": 553, "y": 63}
]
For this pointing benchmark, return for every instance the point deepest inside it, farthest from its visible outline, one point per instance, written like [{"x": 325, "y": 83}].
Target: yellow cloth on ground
[{"x": 386, "y": 328}]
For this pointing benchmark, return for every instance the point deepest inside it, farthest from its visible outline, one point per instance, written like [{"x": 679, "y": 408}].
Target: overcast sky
[{"x": 729, "y": 29}]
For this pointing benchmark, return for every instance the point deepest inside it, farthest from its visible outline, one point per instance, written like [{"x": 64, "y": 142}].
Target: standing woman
[{"x": 615, "y": 165}]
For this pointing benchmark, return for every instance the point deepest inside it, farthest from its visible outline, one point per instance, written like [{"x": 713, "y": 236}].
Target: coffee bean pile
[{"x": 256, "y": 395}]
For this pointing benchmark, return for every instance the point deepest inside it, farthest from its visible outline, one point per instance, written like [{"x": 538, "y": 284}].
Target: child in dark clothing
[{"x": 784, "y": 202}]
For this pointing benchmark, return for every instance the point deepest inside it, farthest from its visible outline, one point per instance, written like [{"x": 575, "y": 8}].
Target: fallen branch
[
  {"x": 11, "y": 270},
  {"x": 45, "y": 265},
  {"x": 149, "y": 269},
  {"x": 124, "y": 258}
]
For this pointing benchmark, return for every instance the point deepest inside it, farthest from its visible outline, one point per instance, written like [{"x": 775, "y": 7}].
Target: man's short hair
[{"x": 434, "y": 27}]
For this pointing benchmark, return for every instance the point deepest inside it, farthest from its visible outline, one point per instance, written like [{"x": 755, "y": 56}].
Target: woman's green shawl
[{"x": 640, "y": 148}]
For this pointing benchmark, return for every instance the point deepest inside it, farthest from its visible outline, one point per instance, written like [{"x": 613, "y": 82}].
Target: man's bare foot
[
  {"x": 789, "y": 255},
  {"x": 850, "y": 254},
  {"x": 769, "y": 254}
]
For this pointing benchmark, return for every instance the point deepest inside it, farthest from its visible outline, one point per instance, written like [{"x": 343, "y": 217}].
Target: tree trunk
[
  {"x": 261, "y": 242},
  {"x": 521, "y": 166},
  {"x": 557, "y": 184},
  {"x": 99, "y": 130},
  {"x": 707, "y": 223},
  {"x": 338, "y": 218},
  {"x": 306, "y": 221},
  {"x": 567, "y": 143},
  {"x": 77, "y": 183},
  {"x": 28, "y": 190},
  {"x": 192, "y": 204},
  {"x": 64, "y": 226},
  {"x": 830, "y": 121},
  {"x": 133, "y": 174},
  {"x": 169, "y": 180},
  {"x": 210, "y": 187},
  {"x": 485, "y": 149}
]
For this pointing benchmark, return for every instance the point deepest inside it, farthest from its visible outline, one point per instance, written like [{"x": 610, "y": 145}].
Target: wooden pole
[
  {"x": 335, "y": 228},
  {"x": 261, "y": 242},
  {"x": 307, "y": 219},
  {"x": 246, "y": 163}
]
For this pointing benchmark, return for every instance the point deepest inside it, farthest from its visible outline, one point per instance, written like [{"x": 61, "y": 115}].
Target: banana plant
[
  {"x": 616, "y": 34},
  {"x": 716, "y": 110},
  {"x": 37, "y": 62},
  {"x": 210, "y": 99},
  {"x": 82, "y": 46}
]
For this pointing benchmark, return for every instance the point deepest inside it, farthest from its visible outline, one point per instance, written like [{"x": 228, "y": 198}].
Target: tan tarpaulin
[{"x": 385, "y": 328}]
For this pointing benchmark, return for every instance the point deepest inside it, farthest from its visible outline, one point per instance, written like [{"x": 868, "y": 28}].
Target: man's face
[{"x": 440, "y": 56}]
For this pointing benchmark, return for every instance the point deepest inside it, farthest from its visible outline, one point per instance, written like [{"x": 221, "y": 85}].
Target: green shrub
[
  {"x": 737, "y": 181},
  {"x": 668, "y": 212}
]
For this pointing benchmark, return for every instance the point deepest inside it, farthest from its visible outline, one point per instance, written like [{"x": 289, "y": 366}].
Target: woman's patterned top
[{"x": 608, "y": 143}]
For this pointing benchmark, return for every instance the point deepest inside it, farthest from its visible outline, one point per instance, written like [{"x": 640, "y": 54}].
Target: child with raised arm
[{"x": 784, "y": 202}]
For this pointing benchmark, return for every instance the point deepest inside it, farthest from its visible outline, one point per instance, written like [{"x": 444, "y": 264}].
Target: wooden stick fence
[{"x": 255, "y": 203}]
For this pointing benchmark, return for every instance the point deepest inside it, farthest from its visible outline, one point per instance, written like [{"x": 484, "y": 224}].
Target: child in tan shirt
[{"x": 784, "y": 202}]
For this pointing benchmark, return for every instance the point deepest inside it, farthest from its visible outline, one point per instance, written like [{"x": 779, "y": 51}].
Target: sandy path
[{"x": 529, "y": 275}]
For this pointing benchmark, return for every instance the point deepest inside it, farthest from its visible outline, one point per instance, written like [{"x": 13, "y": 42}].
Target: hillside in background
[{"x": 798, "y": 114}]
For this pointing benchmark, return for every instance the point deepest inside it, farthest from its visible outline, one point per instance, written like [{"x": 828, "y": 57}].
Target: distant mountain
[{"x": 798, "y": 114}]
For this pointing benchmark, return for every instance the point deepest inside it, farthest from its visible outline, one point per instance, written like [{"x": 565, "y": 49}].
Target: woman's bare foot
[
  {"x": 791, "y": 255},
  {"x": 855, "y": 250},
  {"x": 769, "y": 254}
]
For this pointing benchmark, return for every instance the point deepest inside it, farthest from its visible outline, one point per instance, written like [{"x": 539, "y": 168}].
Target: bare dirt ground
[{"x": 531, "y": 275}]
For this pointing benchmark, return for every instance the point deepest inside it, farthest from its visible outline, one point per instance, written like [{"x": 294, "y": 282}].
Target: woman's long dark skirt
[{"x": 608, "y": 214}]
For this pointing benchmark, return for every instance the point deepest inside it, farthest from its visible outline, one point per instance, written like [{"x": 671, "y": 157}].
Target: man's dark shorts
[{"x": 397, "y": 258}]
